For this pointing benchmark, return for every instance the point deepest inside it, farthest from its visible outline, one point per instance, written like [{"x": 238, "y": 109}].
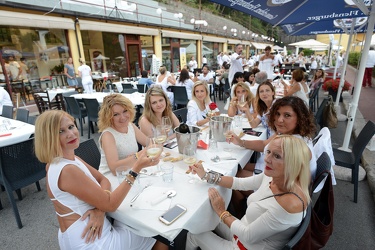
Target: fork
[{"x": 137, "y": 195}]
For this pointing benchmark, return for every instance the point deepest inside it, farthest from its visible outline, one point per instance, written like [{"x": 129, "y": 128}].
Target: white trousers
[{"x": 221, "y": 239}]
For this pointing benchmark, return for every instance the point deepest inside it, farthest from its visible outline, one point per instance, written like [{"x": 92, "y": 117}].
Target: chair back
[
  {"x": 301, "y": 230},
  {"x": 312, "y": 99},
  {"x": 126, "y": 86},
  {"x": 323, "y": 164},
  {"x": 142, "y": 88},
  {"x": 89, "y": 152},
  {"x": 226, "y": 85},
  {"x": 319, "y": 113},
  {"x": 7, "y": 111},
  {"x": 362, "y": 140},
  {"x": 129, "y": 91},
  {"x": 181, "y": 114},
  {"x": 19, "y": 168},
  {"x": 41, "y": 104},
  {"x": 92, "y": 107},
  {"x": 31, "y": 120},
  {"x": 180, "y": 95},
  {"x": 69, "y": 93},
  {"x": 22, "y": 115},
  {"x": 73, "y": 105}
]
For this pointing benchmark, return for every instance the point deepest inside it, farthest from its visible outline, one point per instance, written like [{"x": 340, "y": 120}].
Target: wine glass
[
  {"x": 227, "y": 133},
  {"x": 166, "y": 123},
  {"x": 160, "y": 134},
  {"x": 189, "y": 156},
  {"x": 154, "y": 150}
]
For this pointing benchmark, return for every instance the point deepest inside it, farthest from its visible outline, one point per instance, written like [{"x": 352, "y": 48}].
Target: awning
[
  {"x": 245, "y": 43},
  {"x": 116, "y": 28},
  {"x": 37, "y": 21},
  {"x": 214, "y": 39},
  {"x": 234, "y": 41},
  {"x": 261, "y": 45},
  {"x": 181, "y": 35}
]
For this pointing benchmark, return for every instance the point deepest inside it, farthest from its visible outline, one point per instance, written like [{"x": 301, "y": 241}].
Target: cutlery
[
  {"x": 216, "y": 158},
  {"x": 137, "y": 195},
  {"x": 168, "y": 194}
]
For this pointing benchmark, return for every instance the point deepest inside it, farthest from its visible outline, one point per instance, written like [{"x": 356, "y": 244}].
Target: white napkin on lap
[{"x": 148, "y": 196}]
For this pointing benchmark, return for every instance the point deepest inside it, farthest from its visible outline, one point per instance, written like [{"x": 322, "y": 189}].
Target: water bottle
[{"x": 110, "y": 89}]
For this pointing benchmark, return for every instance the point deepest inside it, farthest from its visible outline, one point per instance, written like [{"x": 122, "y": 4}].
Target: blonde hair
[
  {"x": 250, "y": 96},
  {"x": 207, "y": 98},
  {"x": 162, "y": 70},
  {"x": 296, "y": 163},
  {"x": 106, "y": 112},
  {"x": 148, "y": 113},
  {"x": 47, "y": 135}
]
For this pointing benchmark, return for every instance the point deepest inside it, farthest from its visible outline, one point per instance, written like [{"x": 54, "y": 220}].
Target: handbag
[
  {"x": 329, "y": 114},
  {"x": 321, "y": 223}
]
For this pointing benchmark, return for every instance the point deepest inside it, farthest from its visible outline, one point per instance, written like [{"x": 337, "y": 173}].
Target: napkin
[{"x": 148, "y": 196}]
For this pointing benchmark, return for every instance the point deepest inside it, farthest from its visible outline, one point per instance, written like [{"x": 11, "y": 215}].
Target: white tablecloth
[
  {"x": 119, "y": 85},
  {"x": 19, "y": 132},
  {"x": 136, "y": 98},
  {"x": 52, "y": 93},
  {"x": 200, "y": 216}
]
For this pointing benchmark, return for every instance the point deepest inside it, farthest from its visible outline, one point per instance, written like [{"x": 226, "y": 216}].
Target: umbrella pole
[
  {"x": 5, "y": 73},
  {"x": 358, "y": 81},
  {"x": 337, "y": 58}
]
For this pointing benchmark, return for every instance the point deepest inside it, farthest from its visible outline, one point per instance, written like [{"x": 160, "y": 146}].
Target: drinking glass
[
  {"x": 228, "y": 135},
  {"x": 189, "y": 156},
  {"x": 242, "y": 101},
  {"x": 160, "y": 135},
  {"x": 166, "y": 123},
  {"x": 154, "y": 150}
]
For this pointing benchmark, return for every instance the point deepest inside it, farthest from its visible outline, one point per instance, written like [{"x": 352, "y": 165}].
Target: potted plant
[{"x": 332, "y": 85}]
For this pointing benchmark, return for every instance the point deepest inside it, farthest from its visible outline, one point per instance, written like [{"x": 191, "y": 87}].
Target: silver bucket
[
  {"x": 188, "y": 138},
  {"x": 219, "y": 125}
]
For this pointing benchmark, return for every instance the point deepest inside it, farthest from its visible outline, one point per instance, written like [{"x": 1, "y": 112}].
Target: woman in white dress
[
  {"x": 84, "y": 71},
  {"x": 156, "y": 107},
  {"x": 297, "y": 87},
  {"x": 80, "y": 194},
  {"x": 198, "y": 107},
  {"x": 184, "y": 80},
  {"x": 164, "y": 79},
  {"x": 267, "y": 62}
]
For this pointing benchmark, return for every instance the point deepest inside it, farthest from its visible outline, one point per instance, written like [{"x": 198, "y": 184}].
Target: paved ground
[{"x": 354, "y": 224}]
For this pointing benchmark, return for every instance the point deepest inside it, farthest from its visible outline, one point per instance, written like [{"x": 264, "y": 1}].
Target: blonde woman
[
  {"x": 156, "y": 106},
  {"x": 164, "y": 79},
  {"x": 275, "y": 209},
  {"x": 198, "y": 106},
  {"x": 242, "y": 92},
  {"x": 119, "y": 140},
  {"x": 80, "y": 194},
  {"x": 84, "y": 71}
]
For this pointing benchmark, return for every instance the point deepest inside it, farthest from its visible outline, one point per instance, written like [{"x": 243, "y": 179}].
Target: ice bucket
[
  {"x": 219, "y": 125},
  {"x": 187, "y": 139}
]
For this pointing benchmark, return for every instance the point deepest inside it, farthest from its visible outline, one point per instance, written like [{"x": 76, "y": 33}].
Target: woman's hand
[
  {"x": 245, "y": 109},
  {"x": 198, "y": 169},
  {"x": 145, "y": 161},
  {"x": 94, "y": 227},
  {"x": 234, "y": 139},
  {"x": 217, "y": 202}
]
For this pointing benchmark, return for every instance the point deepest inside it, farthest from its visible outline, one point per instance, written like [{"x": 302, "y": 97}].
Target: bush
[{"x": 354, "y": 58}]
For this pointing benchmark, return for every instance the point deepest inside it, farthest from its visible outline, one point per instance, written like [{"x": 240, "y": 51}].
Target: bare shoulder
[{"x": 291, "y": 203}]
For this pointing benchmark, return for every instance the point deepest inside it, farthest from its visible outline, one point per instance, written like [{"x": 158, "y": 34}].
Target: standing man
[
  {"x": 193, "y": 64},
  {"x": 219, "y": 60},
  {"x": 236, "y": 62},
  {"x": 370, "y": 63},
  {"x": 313, "y": 66},
  {"x": 25, "y": 69},
  {"x": 15, "y": 69}
]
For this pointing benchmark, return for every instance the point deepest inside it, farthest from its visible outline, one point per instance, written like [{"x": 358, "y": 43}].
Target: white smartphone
[{"x": 172, "y": 214}]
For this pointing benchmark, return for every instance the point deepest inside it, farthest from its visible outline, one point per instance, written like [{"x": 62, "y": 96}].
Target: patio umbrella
[{"x": 309, "y": 44}]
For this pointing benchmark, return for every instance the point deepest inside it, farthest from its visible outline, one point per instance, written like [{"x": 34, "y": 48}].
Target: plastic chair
[
  {"x": 323, "y": 164},
  {"x": 89, "y": 152},
  {"x": 351, "y": 159},
  {"x": 22, "y": 115},
  {"x": 301, "y": 230},
  {"x": 181, "y": 114},
  {"x": 7, "y": 111},
  {"x": 76, "y": 111},
  {"x": 129, "y": 91},
  {"x": 31, "y": 120},
  {"x": 142, "y": 88},
  {"x": 92, "y": 107},
  {"x": 126, "y": 86},
  {"x": 19, "y": 168},
  {"x": 319, "y": 113},
  {"x": 180, "y": 96},
  {"x": 312, "y": 99}
]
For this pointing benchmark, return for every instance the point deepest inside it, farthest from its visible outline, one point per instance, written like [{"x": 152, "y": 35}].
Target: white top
[
  {"x": 302, "y": 94},
  {"x": 195, "y": 114},
  {"x": 266, "y": 65},
  {"x": 126, "y": 144},
  {"x": 4, "y": 99},
  {"x": 188, "y": 85},
  {"x": 193, "y": 65},
  {"x": 204, "y": 60},
  {"x": 205, "y": 78},
  {"x": 164, "y": 82},
  {"x": 370, "y": 62},
  {"x": 314, "y": 65},
  {"x": 235, "y": 66},
  {"x": 85, "y": 70},
  {"x": 14, "y": 69},
  {"x": 266, "y": 224}
]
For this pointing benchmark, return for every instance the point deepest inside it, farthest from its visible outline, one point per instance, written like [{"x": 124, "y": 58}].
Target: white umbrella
[
  {"x": 101, "y": 57},
  {"x": 310, "y": 44}
]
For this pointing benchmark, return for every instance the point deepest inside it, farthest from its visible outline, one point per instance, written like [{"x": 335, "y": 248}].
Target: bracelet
[
  {"x": 223, "y": 214},
  {"x": 136, "y": 156},
  {"x": 243, "y": 144},
  {"x": 107, "y": 191},
  {"x": 128, "y": 181},
  {"x": 133, "y": 174},
  {"x": 205, "y": 177},
  {"x": 250, "y": 120}
]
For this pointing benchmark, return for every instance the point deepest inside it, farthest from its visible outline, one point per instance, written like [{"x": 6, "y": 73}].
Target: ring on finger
[{"x": 92, "y": 228}]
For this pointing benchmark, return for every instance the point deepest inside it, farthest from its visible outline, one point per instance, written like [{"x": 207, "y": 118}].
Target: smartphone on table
[{"x": 172, "y": 214}]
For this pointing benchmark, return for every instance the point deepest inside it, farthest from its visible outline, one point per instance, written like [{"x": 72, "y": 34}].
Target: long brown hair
[
  {"x": 148, "y": 113},
  {"x": 260, "y": 105}
]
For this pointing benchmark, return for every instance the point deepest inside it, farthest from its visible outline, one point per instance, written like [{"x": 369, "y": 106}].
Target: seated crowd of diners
[{"x": 268, "y": 207}]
